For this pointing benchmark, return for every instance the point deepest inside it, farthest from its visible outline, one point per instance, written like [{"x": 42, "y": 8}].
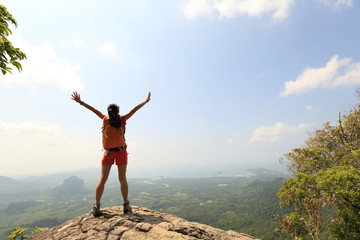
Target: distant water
[
  {"x": 185, "y": 171},
  {"x": 191, "y": 171}
]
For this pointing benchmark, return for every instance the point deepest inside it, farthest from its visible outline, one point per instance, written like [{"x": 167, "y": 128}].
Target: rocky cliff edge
[{"x": 142, "y": 224}]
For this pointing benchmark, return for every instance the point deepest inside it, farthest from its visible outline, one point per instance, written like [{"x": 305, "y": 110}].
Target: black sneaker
[
  {"x": 127, "y": 208},
  {"x": 96, "y": 210}
]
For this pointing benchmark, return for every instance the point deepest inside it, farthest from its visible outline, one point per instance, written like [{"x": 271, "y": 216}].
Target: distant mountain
[
  {"x": 71, "y": 187},
  {"x": 6, "y": 181},
  {"x": 9, "y": 186},
  {"x": 89, "y": 174}
]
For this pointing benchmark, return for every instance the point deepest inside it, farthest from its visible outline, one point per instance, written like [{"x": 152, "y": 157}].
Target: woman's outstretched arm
[
  {"x": 128, "y": 115},
  {"x": 76, "y": 97}
]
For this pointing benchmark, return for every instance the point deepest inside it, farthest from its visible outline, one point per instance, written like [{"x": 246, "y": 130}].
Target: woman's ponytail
[{"x": 113, "y": 112}]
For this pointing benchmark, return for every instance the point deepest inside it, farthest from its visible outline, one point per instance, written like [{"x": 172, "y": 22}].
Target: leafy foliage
[
  {"x": 325, "y": 172},
  {"x": 302, "y": 193},
  {"x": 18, "y": 233},
  {"x": 38, "y": 230},
  {"x": 8, "y": 53},
  {"x": 343, "y": 183}
]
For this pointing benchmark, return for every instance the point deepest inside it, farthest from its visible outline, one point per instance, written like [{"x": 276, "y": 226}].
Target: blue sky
[{"x": 235, "y": 84}]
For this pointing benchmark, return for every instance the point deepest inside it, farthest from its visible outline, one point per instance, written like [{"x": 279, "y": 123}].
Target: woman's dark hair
[{"x": 113, "y": 111}]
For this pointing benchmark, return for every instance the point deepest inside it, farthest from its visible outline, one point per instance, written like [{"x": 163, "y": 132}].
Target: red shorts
[{"x": 118, "y": 156}]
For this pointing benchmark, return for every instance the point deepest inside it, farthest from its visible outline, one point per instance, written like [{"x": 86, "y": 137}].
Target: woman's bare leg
[
  {"x": 123, "y": 182},
  {"x": 105, "y": 170}
]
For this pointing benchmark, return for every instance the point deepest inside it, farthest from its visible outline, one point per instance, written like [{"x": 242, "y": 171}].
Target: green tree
[
  {"x": 325, "y": 172},
  {"x": 8, "y": 53},
  {"x": 309, "y": 203}
]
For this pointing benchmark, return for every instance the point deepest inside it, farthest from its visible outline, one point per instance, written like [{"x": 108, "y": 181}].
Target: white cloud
[
  {"x": 25, "y": 132},
  {"x": 337, "y": 72},
  {"x": 44, "y": 66},
  {"x": 233, "y": 139},
  {"x": 230, "y": 140},
  {"x": 27, "y": 128},
  {"x": 109, "y": 49},
  {"x": 338, "y": 4},
  {"x": 274, "y": 133},
  {"x": 80, "y": 42},
  {"x": 194, "y": 8},
  {"x": 311, "y": 108},
  {"x": 231, "y": 8},
  {"x": 44, "y": 149},
  {"x": 308, "y": 107},
  {"x": 42, "y": 133}
]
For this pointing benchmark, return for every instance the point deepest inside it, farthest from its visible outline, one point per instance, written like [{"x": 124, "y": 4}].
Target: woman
[{"x": 115, "y": 148}]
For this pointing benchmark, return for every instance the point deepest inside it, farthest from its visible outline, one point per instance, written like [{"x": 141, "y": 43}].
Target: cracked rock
[{"x": 142, "y": 224}]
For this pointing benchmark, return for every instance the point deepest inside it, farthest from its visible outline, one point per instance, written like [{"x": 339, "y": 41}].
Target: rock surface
[{"x": 142, "y": 224}]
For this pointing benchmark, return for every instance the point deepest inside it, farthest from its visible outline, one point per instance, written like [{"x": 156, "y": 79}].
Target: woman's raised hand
[
  {"x": 76, "y": 97},
  {"x": 148, "y": 98}
]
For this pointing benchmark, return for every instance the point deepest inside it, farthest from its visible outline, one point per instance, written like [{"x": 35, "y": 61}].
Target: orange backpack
[{"x": 111, "y": 136}]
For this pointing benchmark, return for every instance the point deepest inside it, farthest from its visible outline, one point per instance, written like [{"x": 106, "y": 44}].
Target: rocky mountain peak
[{"x": 142, "y": 224}]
